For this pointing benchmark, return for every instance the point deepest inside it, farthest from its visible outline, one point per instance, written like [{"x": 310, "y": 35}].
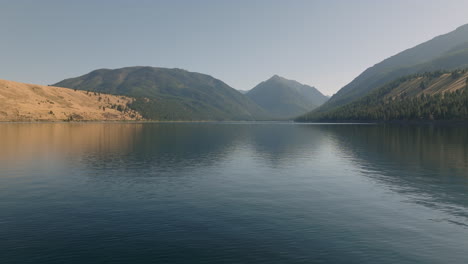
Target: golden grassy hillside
[
  {"x": 29, "y": 102},
  {"x": 447, "y": 82}
]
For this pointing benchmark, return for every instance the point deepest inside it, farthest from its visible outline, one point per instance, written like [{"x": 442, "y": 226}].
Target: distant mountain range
[
  {"x": 171, "y": 94},
  {"x": 175, "y": 94},
  {"x": 283, "y": 98},
  {"x": 149, "y": 93},
  {"x": 426, "y": 82}
]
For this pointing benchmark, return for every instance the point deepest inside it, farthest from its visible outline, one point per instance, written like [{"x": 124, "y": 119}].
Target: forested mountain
[
  {"x": 429, "y": 96},
  {"x": 284, "y": 98},
  {"x": 171, "y": 94},
  {"x": 446, "y": 52}
]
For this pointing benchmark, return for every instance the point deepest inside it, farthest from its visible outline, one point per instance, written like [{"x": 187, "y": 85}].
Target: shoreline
[
  {"x": 143, "y": 121},
  {"x": 360, "y": 122},
  {"x": 393, "y": 122}
]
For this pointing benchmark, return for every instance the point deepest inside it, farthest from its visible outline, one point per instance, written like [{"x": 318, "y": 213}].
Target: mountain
[
  {"x": 428, "y": 96},
  {"x": 170, "y": 94},
  {"x": 30, "y": 102},
  {"x": 446, "y": 52},
  {"x": 284, "y": 98}
]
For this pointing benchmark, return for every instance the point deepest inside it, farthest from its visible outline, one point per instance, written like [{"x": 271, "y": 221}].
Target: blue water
[{"x": 233, "y": 193}]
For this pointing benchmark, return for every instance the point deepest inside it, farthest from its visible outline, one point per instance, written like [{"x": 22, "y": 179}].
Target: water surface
[{"x": 233, "y": 193}]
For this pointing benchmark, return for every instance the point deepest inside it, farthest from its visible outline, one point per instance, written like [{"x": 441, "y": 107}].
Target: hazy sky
[{"x": 321, "y": 43}]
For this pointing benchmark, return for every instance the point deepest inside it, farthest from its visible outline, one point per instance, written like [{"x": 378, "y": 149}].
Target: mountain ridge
[
  {"x": 426, "y": 56},
  {"x": 430, "y": 96},
  {"x": 171, "y": 94},
  {"x": 284, "y": 98}
]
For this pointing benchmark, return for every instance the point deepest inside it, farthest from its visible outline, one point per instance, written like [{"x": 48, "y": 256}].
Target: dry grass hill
[
  {"x": 29, "y": 102},
  {"x": 429, "y": 85}
]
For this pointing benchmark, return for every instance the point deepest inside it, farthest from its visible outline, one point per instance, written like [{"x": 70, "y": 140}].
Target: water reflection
[
  {"x": 175, "y": 146},
  {"x": 434, "y": 150},
  {"x": 428, "y": 164},
  {"x": 22, "y": 142},
  {"x": 283, "y": 144},
  {"x": 271, "y": 193}
]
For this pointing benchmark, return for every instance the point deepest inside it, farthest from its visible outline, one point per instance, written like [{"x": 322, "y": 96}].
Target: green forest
[{"x": 379, "y": 106}]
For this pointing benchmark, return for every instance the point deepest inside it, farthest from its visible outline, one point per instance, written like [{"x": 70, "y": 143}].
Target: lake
[{"x": 233, "y": 193}]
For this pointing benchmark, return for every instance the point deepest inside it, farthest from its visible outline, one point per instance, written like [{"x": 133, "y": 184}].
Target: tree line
[{"x": 379, "y": 106}]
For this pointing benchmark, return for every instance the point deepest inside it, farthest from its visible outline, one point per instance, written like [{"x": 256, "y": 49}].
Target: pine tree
[{"x": 422, "y": 86}]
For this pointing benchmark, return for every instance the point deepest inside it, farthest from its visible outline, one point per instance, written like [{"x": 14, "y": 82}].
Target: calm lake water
[{"x": 233, "y": 193}]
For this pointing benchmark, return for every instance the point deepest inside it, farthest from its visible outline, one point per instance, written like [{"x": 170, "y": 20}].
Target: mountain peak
[
  {"x": 277, "y": 77},
  {"x": 288, "y": 82},
  {"x": 285, "y": 98}
]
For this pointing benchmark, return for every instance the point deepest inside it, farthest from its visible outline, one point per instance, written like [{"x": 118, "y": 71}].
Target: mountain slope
[
  {"x": 29, "y": 102},
  {"x": 428, "y": 96},
  {"x": 284, "y": 98},
  {"x": 171, "y": 94},
  {"x": 446, "y": 52}
]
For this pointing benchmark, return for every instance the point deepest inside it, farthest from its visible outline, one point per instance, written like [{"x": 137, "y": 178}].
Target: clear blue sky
[{"x": 325, "y": 43}]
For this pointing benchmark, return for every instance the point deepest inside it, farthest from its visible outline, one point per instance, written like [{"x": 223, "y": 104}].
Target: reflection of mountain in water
[
  {"x": 188, "y": 145},
  {"x": 282, "y": 143},
  {"x": 56, "y": 140},
  {"x": 415, "y": 160},
  {"x": 175, "y": 146}
]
